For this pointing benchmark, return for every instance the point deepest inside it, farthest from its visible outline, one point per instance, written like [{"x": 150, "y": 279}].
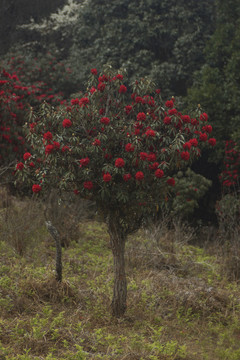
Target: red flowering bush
[
  {"x": 230, "y": 175},
  {"x": 125, "y": 165},
  {"x": 22, "y": 86},
  {"x": 228, "y": 207}
]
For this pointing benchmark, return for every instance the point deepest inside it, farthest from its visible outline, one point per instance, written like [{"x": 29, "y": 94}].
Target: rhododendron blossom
[
  {"x": 107, "y": 177},
  {"x": 88, "y": 185},
  {"x": 26, "y": 156},
  {"x": 36, "y": 188},
  {"x": 185, "y": 155},
  {"x": 19, "y": 166},
  {"x": 66, "y": 123},
  {"x": 119, "y": 163},
  {"x": 139, "y": 176}
]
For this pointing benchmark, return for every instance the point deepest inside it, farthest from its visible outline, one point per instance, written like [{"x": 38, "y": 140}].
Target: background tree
[
  {"x": 14, "y": 13},
  {"x": 162, "y": 39}
]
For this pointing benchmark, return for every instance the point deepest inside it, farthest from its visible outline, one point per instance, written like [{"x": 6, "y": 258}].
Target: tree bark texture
[
  {"x": 117, "y": 240},
  {"x": 53, "y": 231}
]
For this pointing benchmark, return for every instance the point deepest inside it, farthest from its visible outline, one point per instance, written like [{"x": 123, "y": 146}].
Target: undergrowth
[{"x": 181, "y": 304}]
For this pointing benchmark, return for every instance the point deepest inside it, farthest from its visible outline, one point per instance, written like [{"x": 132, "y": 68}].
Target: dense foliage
[{"x": 162, "y": 39}]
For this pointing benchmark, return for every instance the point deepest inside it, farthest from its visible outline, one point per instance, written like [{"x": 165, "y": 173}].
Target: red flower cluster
[
  {"x": 127, "y": 177},
  {"x": 26, "y": 156},
  {"x": 159, "y": 173},
  {"x": 107, "y": 177},
  {"x": 185, "y": 155},
  {"x": 48, "y": 135},
  {"x": 36, "y": 188},
  {"x": 139, "y": 176},
  {"x": 88, "y": 185},
  {"x": 105, "y": 120},
  {"x": 119, "y": 163},
  {"x": 84, "y": 162},
  {"x": 141, "y": 116},
  {"x": 122, "y": 89},
  {"x": 66, "y": 123}
]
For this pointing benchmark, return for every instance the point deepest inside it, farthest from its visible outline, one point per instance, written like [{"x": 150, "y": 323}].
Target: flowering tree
[{"x": 119, "y": 150}]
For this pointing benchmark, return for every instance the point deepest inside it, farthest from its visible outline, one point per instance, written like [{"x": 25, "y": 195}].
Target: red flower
[
  {"x": 65, "y": 147},
  {"x": 151, "y": 157},
  {"x": 74, "y": 101},
  {"x": 96, "y": 142},
  {"x": 207, "y": 128},
  {"x": 153, "y": 166},
  {"x": 169, "y": 104},
  {"x": 193, "y": 142},
  {"x": 141, "y": 116},
  {"x": 66, "y": 123},
  {"x": 84, "y": 162},
  {"x": 187, "y": 145},
  {"x": 76, "y": 192},
  {"x": 94, "y": 71},
  {"x": 31, "y": 164},
  {"x": 203, "y": 137},
  {"x": 49, "y": 149},
  {"x": 185, "y": 155},
  {"x": 119, "y": 77},
  {"x": 122, "y": 89},
  {"x": 139, "y": 176},
  {"x": 101, "y": 86},
  {"x": 212, "y": 141},
  {"x": 143, "y": 155},
  {"x": 159, "y": 173},
  {"x": 92, "y": 90},
  {"x": 108, "y": 156},
  {"x": 83, "y": 101},
  {"x": 20, "y": 166},
  {"x": 56, "y": 144},
  {"x": 119, "y": 163},
  {"x": 47, "y": 135},
  {"x": 158, "y": 91},
  {"x": 171, "y": 182},
  {"x": 167, "y": 120},
  {"x": 186, "y": 118},
  {"x": 203, "y": 117},
  {"x": 105, "y": 120},
  {"x": 129, "y": 147},
  {"x": 128, "y": 109},
  {"x": 26, "y": 156},
  {"x": 36, "y": 188},
  {"x": 150, "y": 132},
  {"x": 32, "y": 125},
  {"x": 138, "y": 99},
  {"x": 127, "y": 177},
  {"x": 172, "y": 112},
  {"x": 107, "y": 177},
  {"x": 88, "y": 185}
]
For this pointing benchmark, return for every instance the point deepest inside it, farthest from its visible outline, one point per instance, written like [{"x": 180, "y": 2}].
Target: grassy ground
[{"x": 181, "y": 304}]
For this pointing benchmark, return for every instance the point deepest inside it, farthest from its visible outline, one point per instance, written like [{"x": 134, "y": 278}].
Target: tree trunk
[
  {"x": 117, "y": 240},
  {"x": 53, "y": 231}
]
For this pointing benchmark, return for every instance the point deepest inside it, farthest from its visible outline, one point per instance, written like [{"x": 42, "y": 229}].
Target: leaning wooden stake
[{"x": 54, "y": 233}]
